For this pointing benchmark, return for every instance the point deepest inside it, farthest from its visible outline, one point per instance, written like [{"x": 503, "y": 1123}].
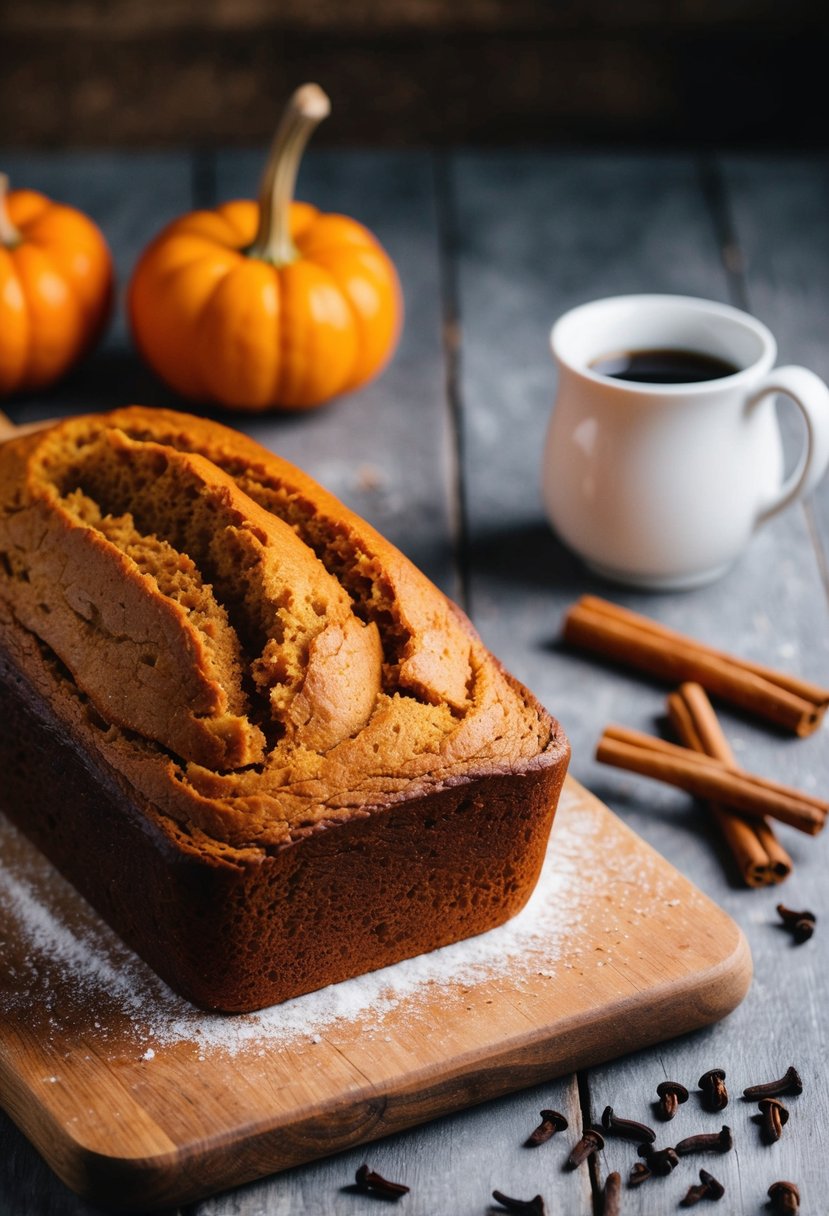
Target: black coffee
[{"x": 663, "y": 366}]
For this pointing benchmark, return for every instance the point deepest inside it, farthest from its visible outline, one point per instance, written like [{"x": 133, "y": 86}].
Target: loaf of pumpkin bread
[{"x": 257, "y": 739}]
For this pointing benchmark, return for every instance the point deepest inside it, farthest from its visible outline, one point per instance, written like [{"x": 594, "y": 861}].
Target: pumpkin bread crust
[{"x": 254, "y": 667}]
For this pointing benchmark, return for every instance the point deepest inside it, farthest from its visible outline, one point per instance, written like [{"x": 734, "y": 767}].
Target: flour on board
[{"x": 72, "y": 961}]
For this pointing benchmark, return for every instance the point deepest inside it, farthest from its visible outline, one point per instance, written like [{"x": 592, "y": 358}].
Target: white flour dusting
[{"x": 72, "y": 962}]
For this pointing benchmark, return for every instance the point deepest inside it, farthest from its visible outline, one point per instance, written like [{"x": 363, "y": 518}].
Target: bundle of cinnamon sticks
[{"x": 741, "y": 803}]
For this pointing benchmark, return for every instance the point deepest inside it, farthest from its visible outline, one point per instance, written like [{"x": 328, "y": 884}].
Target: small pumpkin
[
  {"x": 55, "y": 288},
  {"x": 267, "y": 305}
]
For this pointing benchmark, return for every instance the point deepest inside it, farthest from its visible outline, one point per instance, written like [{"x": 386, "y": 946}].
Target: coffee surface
[{"x": 663, "y": 366}]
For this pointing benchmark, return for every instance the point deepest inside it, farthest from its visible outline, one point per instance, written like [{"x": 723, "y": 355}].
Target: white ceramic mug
[{"x": 662, "y": 485}]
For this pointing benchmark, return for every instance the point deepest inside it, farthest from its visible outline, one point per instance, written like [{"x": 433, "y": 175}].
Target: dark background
[{"x": 103, "y": 73}]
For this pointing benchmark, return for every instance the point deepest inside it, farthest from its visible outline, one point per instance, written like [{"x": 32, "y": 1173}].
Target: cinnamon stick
[
  {"x": 697, "y": 760},
  {"x": 758, "y": 854},
  {"x": 631, "y": 638},
  {"x": 708, "y": 778}
]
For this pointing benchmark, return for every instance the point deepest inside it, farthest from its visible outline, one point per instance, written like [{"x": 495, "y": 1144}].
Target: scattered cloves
[
  {"x": 671, "y": 1094},
  {"x": 790, "y": 1083},
  {"x": 368, "y": 1180},
  {"x": 785, "y": 1198},
  {"x": 612, "y": 1205},
  {"x": 659, "y": 1160},
  {"x": 627, "y": 1129},
  {"x": 801, "y": 925},
  {"x": 714, "y": 1093},
  {"x": 772, "y": 1118},
  {"x": 639, "y": 1173},
  {"x": 551, "y": 1122},
  {"x": 529, "y": 1207},
  {"x": 592, "y": 1140},
  {"x": 713, "y": 1142},
  {"x": 708, "y": 1188}
]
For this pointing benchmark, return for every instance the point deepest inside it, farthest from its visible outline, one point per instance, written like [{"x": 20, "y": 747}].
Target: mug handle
[{"x": 811, "y": 396}]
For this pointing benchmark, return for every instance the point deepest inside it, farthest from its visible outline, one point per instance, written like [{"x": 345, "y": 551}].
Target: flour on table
[{"x": 74, "y": 962}]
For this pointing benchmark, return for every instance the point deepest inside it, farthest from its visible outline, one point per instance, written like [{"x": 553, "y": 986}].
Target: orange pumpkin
[
  {"x": 272, "y": 304},
  {"x": 55, "y": 288}
]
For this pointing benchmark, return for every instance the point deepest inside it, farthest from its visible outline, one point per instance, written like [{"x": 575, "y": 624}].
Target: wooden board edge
[
  {"x": 247, "y": 1155},
  {"x": 78, "y": 1166},
  {"x": 249, "y": 1152}
]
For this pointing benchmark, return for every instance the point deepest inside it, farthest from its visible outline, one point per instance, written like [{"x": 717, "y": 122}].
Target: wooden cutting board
[{"x": 127, "y": 1090}]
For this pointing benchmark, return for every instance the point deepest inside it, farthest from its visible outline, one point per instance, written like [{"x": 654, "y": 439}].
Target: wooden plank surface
[
  {"x": 525, "y": 236},
  {"x": 145, "y": 1102},
  {"x": 646, "y": 224},
  {"x": 780, "y": 278},
  {"x": 787, "y": 279}
]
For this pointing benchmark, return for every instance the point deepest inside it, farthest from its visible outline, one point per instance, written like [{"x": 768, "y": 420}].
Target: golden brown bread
[{"x": 244, "y": 666}]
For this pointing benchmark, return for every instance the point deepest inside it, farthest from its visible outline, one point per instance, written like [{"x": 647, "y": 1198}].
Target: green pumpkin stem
[
  {"x": 305, "y": 110},
  {"x": 9, "y": 236}
]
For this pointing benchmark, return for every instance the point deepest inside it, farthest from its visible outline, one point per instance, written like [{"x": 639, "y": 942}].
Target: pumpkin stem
[
  {"x": 306, "y": 108},
  {"x": 9, "y": 236}
]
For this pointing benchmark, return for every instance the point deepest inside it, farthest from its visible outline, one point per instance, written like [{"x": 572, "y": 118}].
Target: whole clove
[
  {"x": 370, "y": 1181},
  {"x": 591, "y": 1142},
  {"x": 659, "y": 1160},
  {"x": 789, "y": 1083},
  {"x": 612, "y": 1195},
  {"x": 772, "y": 1119},
  {"x": 801, "y": 925},
  {"x": 627, "y": 1129},
  {"x": 708, "y": 1188},
  {"x": 530, "y": 1207},
  {"x": 639, "y": 1173},
  {"x": 713, "y": 1142},
  {"x": 714, "y": 1093},
  {"x": 551, "y": 1122},
  {"x": 671, "y": 1094},
  {"x": 785, "y": 1198}
]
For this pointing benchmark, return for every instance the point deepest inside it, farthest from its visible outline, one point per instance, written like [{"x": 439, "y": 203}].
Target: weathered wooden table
[{"x": 442, "y": 454}]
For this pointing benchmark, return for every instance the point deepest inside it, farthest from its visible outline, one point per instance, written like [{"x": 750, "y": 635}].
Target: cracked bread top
[{"x": 248, "y": 654}]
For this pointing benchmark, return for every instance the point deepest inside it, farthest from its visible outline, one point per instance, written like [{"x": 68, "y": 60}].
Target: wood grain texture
[
  {"x": 140, "y": 1129},
  {"x": 451, "y": 1165}
]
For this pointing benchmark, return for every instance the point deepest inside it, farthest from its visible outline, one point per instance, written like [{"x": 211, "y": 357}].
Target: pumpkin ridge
[
  {"x": 201, "y": 321},
  {"x": 241, "y": 238},
  {"x": 166, "y": 278},
  {"x": 197, "y": 224},
  {"x": 69, "y": 355},
  {"x": 71, "y": 288},
  {"x": 282, "y": 337},
  {"x": 13, "y": 385},
  {"x": 49, "y": 214},
  {"x": 26, "y": 366},
  {"x": 357, "y": 324},
  {"x": 279, "y": 369},
  {"x": 18, "y": 197},
  {"x": 333, "y": 242}
]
